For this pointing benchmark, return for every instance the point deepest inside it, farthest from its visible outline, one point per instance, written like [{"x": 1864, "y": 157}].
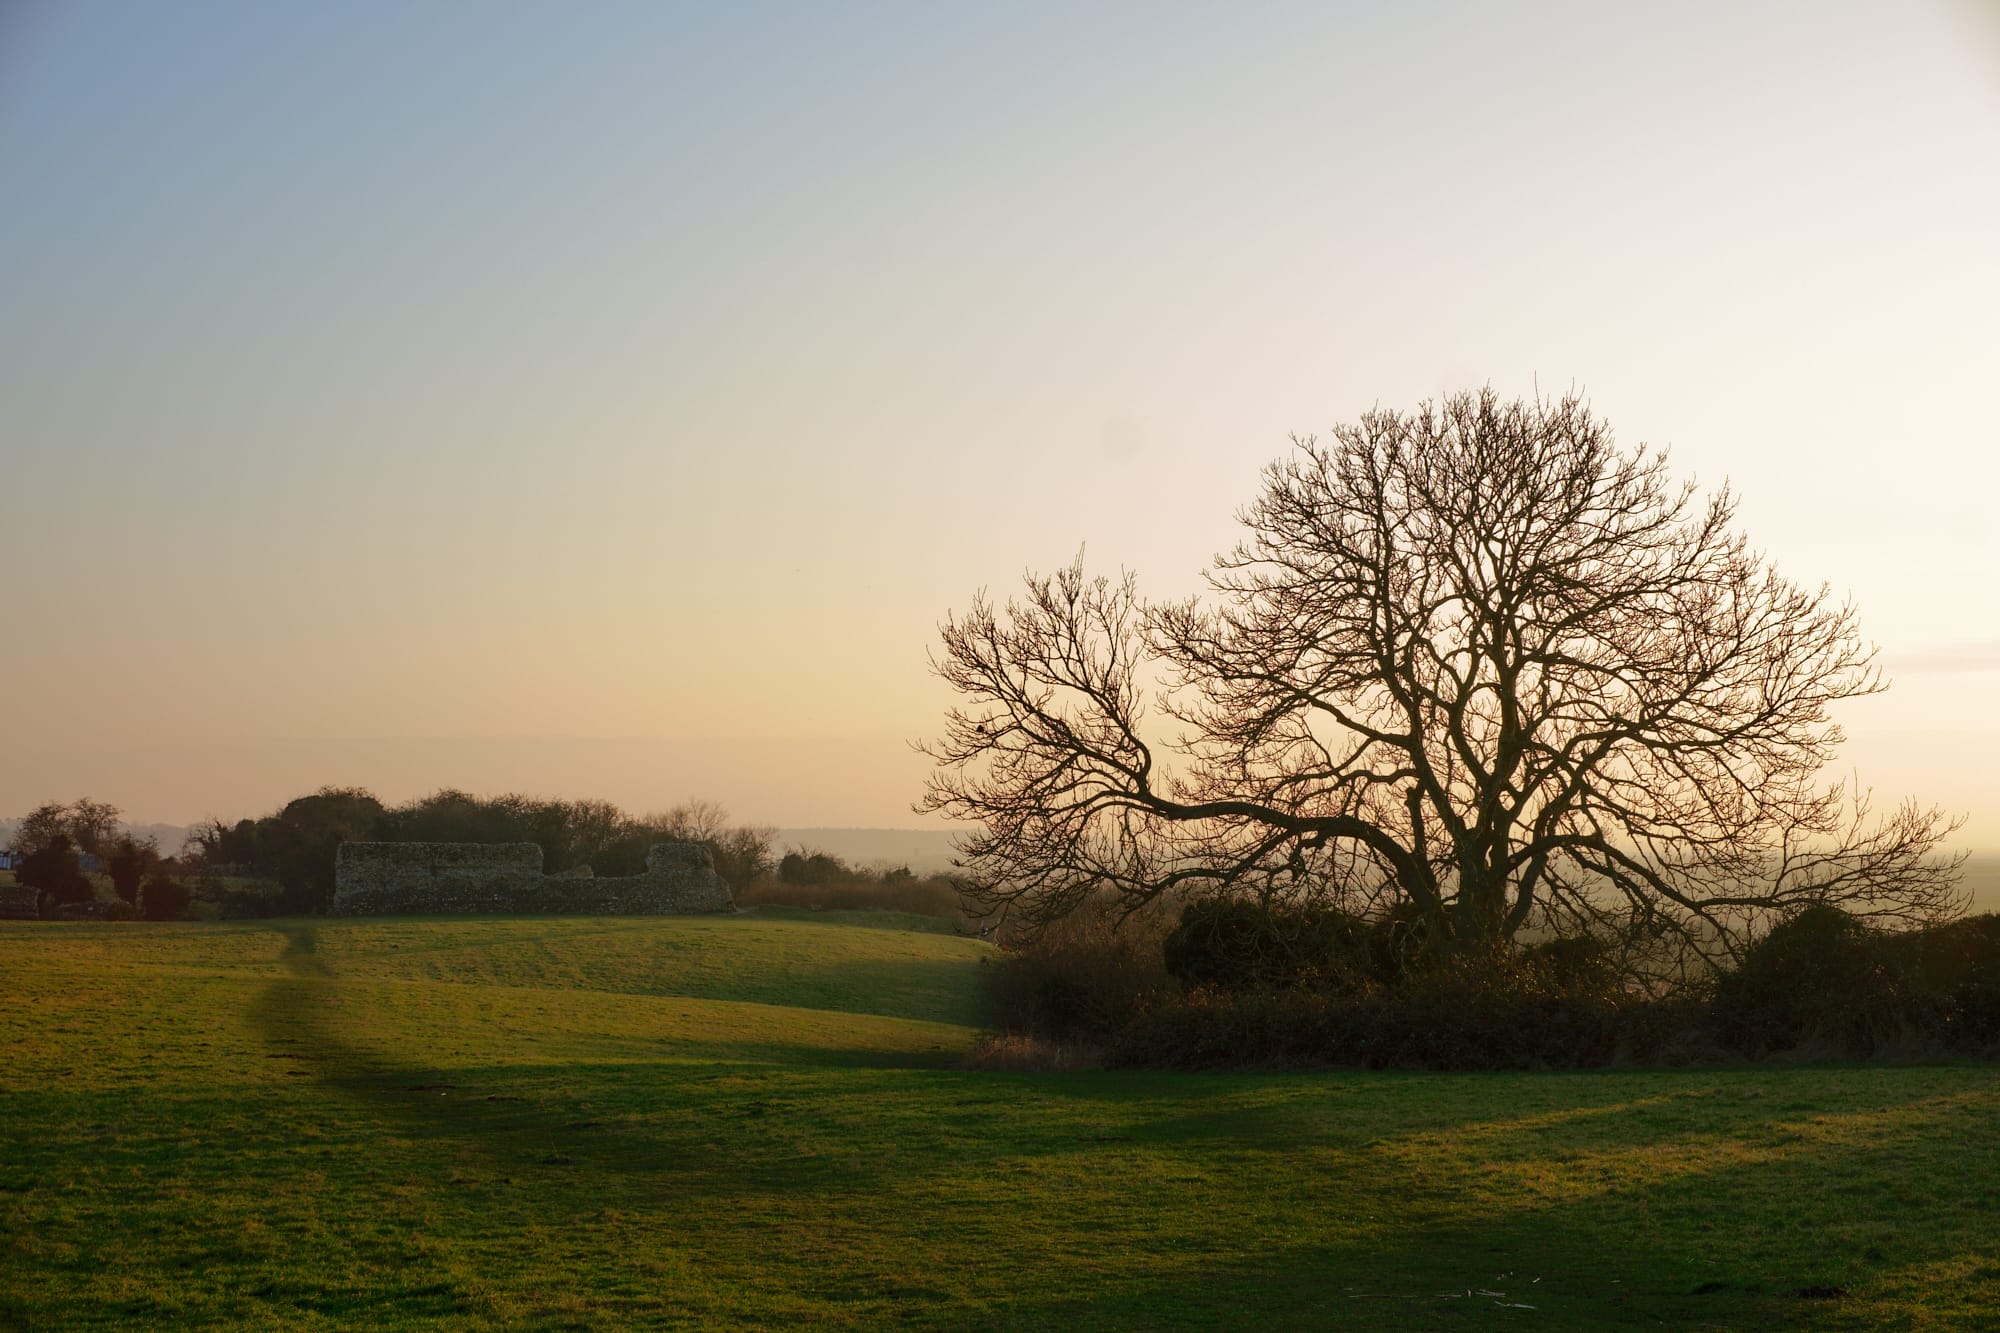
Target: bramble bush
[
  {"x": 1499, "y": 1010},
  {"x": 1823, "y": 983},
  {"x": 164, "y": 898},
  {"x": 1237, "y": 945},
  {"x": 1959, "y": 962},
  {"x": 1233, "y": 984},
  {"x": 1085, "y": 977},
  {"x": 55, "y": 874}
]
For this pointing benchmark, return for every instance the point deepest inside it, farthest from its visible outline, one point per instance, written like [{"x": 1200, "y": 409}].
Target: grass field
[{"x": 760, "y": 1121}]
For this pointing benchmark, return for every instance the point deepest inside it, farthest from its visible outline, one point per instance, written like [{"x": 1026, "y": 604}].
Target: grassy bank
[{"x": 759, "y": 1120}]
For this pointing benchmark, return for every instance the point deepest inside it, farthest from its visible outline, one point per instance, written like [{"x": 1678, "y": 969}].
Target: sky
[{"x": 611, "y": 400}]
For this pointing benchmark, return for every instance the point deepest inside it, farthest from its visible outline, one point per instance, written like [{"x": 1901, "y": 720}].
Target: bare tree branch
[{"x": 1477, "y": 659}]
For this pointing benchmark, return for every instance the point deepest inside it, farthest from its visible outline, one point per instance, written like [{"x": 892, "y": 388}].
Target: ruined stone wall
[{"x": 459, "y": 878}]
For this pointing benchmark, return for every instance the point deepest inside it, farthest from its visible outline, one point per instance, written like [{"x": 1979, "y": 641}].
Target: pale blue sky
[{"x": 426, "y": 393}]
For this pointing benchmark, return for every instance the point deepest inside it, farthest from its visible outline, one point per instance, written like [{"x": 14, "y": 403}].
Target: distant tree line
[
  {"x": 282, "y": 863},
  {"x": 295, "y": 845}
]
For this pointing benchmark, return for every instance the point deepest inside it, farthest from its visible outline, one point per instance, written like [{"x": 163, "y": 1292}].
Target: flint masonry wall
[{"x": 459, "y": 878}]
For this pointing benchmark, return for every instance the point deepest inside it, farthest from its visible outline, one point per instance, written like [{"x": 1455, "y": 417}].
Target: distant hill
[
  {"x": 922, "y": 850},
  {"x": 1981, "y": 878}
]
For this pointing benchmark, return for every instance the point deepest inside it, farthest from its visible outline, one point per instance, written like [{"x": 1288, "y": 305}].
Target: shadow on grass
[
  {"x": 788, "y": 971},
  {"x": 535, "y": 1113},
  {"x": 1599, "y": 1200},
  {"x": 287, "y": 1013},
  {"x": 926, "y": 990},
  {"x": 1812, "y": 1234}
]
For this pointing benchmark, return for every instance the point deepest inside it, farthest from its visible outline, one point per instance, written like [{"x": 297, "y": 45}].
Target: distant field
[
  {"x": 926, "y": 851},
  {"x": 1981, "y": 880},
  {"x": 759, "y": 1121}
]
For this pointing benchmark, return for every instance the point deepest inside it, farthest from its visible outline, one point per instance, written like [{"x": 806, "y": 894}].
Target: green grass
[{"x": 759, "y": 1121}]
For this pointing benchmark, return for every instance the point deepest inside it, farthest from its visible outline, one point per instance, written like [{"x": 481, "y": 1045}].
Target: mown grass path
[{"x": 759, "y": 1122}]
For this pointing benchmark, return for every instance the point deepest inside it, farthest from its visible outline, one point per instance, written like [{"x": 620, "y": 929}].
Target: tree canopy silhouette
[{"x": 1475, "y": 663}]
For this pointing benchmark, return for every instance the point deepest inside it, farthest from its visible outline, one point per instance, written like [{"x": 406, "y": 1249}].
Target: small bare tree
[
  {"x": 89, "y": 825},
  {"x": 1475, "y": 662}
]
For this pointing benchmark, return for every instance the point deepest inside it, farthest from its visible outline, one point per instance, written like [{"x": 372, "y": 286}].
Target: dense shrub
[
  {"x": 1574, "y": 965},
  {"x": 55, "y": 874},
  {"x": 1240, "y": 945},
  {"x": 934, "y": 895},
  {"x": 1502, "y": 1011},
  {"x": 1819, "y": 981},
  {"x": 1012, "y": 1053},
  {"x": 1959, "y": 964},
  {"x": 128, "y": 860},
  {"x": 164, "y": 898},
  {"x": 93, "y": 909},
  {"x": 1085, "y": 977},
  {"x": 1822, "y": 982},
  {"x": 1234, "y": 984},
  {"x": 811, "y": 868}
]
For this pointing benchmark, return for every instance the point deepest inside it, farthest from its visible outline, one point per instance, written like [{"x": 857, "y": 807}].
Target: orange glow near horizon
[{"x": 613, "y": 405}]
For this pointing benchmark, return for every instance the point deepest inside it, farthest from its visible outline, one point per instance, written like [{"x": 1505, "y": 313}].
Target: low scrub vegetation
[
  {"x": 1233, "y": 983},
  {"x": 1824, "y": 983},
  {"x": 1088, "y": 976},
  {"x": 822, "y": 882}
]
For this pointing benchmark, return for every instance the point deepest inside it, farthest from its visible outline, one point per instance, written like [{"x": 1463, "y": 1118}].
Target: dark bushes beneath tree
[
  {"x": 1090, "y": 976},
  {"x": 1316, "y": 986},
  {"x": 1236, "y": 945},
  {"x": 56, "y": 875},
  {"x": 164, "y": 898},
  {"x": 1823, "y": 983},
  {"x": 1491, "y": 1013},
  {"x": 1234, "y": 985},
  {"x": 128, "y": 860}
]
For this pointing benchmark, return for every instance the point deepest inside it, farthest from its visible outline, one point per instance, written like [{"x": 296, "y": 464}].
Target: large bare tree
[{"x": 1475, "y": 662}]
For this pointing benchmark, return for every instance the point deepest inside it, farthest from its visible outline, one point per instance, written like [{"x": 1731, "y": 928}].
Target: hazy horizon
[{"x": 611, "y": 402}]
